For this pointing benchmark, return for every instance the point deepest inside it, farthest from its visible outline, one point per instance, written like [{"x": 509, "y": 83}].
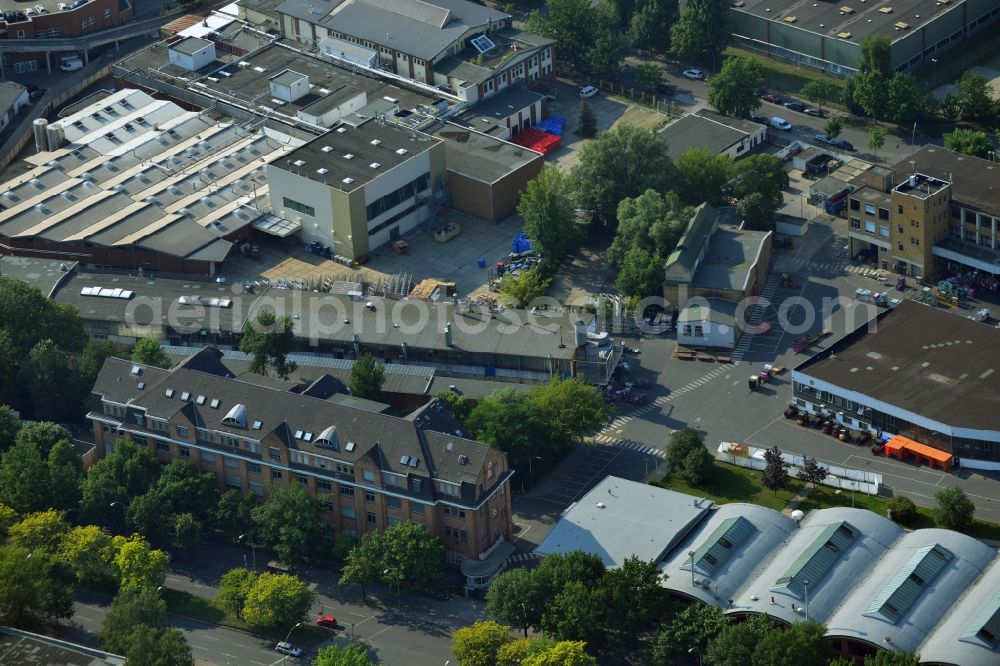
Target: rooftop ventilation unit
[
  {"x": 322, "y": 171},
  {"x": 401, "y": 151},
  {"x": 299, "y": 163},
  {"x": 327, "y": 149},
  {"x": 463, "y": 460},
  {"x": 347, "y": 181},
  {"x": 375, "y": 165},
  {"x": 341, "y": 130},
  {"x": 169, "y": 393},
  {"x": 376, "y": 142},
  {"x": 348, "y": 156},
  {"x": 136, "y": 370},
  {"x": 215, "y": 403}
]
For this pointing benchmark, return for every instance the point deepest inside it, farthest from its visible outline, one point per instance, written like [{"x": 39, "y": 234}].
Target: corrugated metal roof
[
  {"x": 912, "y": 579},
  {"x": 721, "y": 545},
  {"x": 818, "y": 559},
  {"x": 985, "y": 626}
]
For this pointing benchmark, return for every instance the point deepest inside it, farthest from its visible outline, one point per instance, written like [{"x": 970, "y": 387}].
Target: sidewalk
[{"x": 800, "y": 497}]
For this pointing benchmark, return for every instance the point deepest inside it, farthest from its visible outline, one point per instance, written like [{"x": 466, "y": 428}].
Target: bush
[{"x": 903, "y": 509}]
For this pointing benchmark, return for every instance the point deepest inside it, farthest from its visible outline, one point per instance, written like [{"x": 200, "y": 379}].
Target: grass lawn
[
  {"x": 785, "y": 76},
  {"x": 731, "y": 483}
]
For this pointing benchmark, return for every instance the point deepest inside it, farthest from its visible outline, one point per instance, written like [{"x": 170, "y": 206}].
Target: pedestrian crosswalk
[
  {"x": 522, "y": 557},
  {"x": 630, "y": 445},
  {"x": 789, "y": 264}
]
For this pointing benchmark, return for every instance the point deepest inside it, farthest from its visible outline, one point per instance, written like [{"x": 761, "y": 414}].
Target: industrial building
[
  {"x": 468, "y": 49},
  {"x": 368, "y": 470},
  {"x": 132, "y": 182},
  {"x": 915, "y": 371},
  {"x": 827, "y": 36},
  {"x": 873, "y": 584},
  {"x": 716, "y": 133},
  {"x": 935, "y": 215}
]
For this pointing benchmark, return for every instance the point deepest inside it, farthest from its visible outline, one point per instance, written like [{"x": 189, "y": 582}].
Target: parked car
[
  {"x": 780, "y": 123},
  {"x": 771, "y": 97},
  {"x": 664, "y": 89},
  {"x": 588, "y": 91},
  {"x": 795, "y": 106},
  {"x": 287, "y": 648},
  {"x": 328, "y": 621},
  {"x": 843, "y": 145},
  {"x": 814, "y": 112},
  {"x": 693, "y": 73},
  {"x": 760, "y": 119},
  {"x": 823, "y": 138}
]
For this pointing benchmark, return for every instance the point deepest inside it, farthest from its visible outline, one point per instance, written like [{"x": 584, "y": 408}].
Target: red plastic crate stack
[{"x": 535, "y": 139}]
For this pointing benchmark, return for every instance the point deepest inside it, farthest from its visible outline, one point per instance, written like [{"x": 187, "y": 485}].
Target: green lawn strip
[
  {"x": 731, "y": 483},
  {"x": 200, "y": 608},
  {"x": 783, "y": 76}
]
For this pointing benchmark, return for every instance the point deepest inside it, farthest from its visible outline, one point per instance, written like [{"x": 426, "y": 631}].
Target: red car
[
  {"x": 771, "y": 97},
  {"x": 327, "y": 621}
]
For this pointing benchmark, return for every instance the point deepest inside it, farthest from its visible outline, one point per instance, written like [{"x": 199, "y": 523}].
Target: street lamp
[
  {"x": 396, "y": 576},
  {"x": 253, "y": 549},
  {"x": 287, "y": 636},
  {"x": 696, "y": 651},
  {"x": 852, "y": 493},
  {"x": 691, "y": 555},
  {"x": 934, "y": 77},
  {"x": 913, "y": 135},
  {"x": 805, "y": 584}
]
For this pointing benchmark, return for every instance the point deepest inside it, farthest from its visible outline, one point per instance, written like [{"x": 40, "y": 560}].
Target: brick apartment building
[
  {"x": 49, "y": 19},
  {"x": 369, "y": 470}
]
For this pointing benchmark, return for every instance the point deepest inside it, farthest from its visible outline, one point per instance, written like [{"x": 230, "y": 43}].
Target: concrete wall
[{"x": 713, "y": 335}]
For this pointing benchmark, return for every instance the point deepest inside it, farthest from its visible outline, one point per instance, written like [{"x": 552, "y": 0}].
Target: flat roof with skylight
[{"x": 350, "y": 157}]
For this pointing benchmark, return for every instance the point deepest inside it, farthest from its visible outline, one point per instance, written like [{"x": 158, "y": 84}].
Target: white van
[
  {"x": 588, "y": 91},
  {"x": 70, "y": 62}
]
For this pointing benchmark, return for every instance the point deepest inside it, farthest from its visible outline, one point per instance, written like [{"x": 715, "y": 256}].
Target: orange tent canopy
[{"x": 900, "y": 444}]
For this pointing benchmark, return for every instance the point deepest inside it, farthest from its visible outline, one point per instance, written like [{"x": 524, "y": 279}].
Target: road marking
[{"x": 211, "y": 638}]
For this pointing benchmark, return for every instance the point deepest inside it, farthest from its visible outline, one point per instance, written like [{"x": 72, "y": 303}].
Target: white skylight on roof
[
  {"x": 215, "y": 403},
  {"x": 298, "y": 434},
  {"x": 185, "y": 395},
  {"x": 169, "y": 393},
  {"x": 200, "y": 400}
]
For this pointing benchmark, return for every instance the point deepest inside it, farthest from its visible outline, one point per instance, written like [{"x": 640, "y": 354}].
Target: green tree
[
  {"x": 703, "y": 176},
  {"x": 757, "y": 211},
  {"x": 507, "y": 420},
  {"x": 905, "y": 101},
  {"x": 681, "y": 443},
  {"x": 91, "y": 360},
  {"x": 28, "y": 317},
  {"x": 735, "y": 644},
  {"x": 647, "y": 28},
  {"x": 775, "y": 475},
  {"x": 702, "y": 33},
  {"x": 186, "y": 531},
  {"x": 690, "y": 628},
  {"x": 902, "y": 509},
  {"x": 974, "y": 100},
  {"x": 43, "y": 531},
  {"x": 459, "y": 405},
  {"x": 233, "y": 514},
  {"x": 876, "y": 55},
  {"x": 234, "y": 588},
  {"x": 10, "y": 424},
  {"x": 43, "y": 435},
  {"x": 954, "y": 508},
  {"x": 876, "y": 139},
  {"x": 149, "y": 352},
  {"x": 53, "y": 382},
  {"x": 811, "y": 471},
  {"x": 633, "y": 596},
  {"x": 346, "y": 655},
  {"x": 622, "y": 162},
  {"x": 524, "y": 287},
  {"x": 563, "y": 653},
  {"x": 641, "y": 274},
  {"x": 33, "y": 588},
  {"x": 557, "y": 571},
  {"x": 891, "y": 658},
  {"x": 802, "y": 644},
  {"x": 549, "y": 221},
  {"x": 518, "y": 651},
  {"x": 820, "y": 92},
  {"x": 871, "y": 93},
  {"x": 126, "y": 472},
  {"x": 7, "y": 518},
  {"x": 288, "y": 522},
  {"x": 586, "y": 125},
  {"x": 139, "y": 565},
  {"x": 970, "y": 142},
  {"x": 411, "y": 557},
  {"x": 605, "y": 57},
  {"x": 576, "y": 613},
  {"x": 574, "y": 24},
  {"x": 570, "y": 409},
  {"x": 24, "y": 478},
  {"x": 269, "y": 339},
  {"x": 762, "y": 174},
  {"x": 697, "y": 468},
  {"x": 733, "y": 91},
  {"x": 158, "y": 648},
  {"x": 478, "y": 644},
  {"x": 834, "y": 126},
  {"x": 277, "y": 600},
  {"x": 65, "y": 476},
  {"x": 651, "y": 222},
  {"x": 515, "y": 598},
  {"x": 363, "y": 565},
  {"x": 648, "y": 75},
  {"x": 367, "y": 378},
  {"x": 10, "y": 360},
  {"x": 150, "y": 516},
  {"x": 187, "y": 489},
  {"x": 90, "y": 553}
]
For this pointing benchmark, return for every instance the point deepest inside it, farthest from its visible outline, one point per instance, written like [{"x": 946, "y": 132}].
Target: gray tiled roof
[{"x": 384, "y": 438}]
